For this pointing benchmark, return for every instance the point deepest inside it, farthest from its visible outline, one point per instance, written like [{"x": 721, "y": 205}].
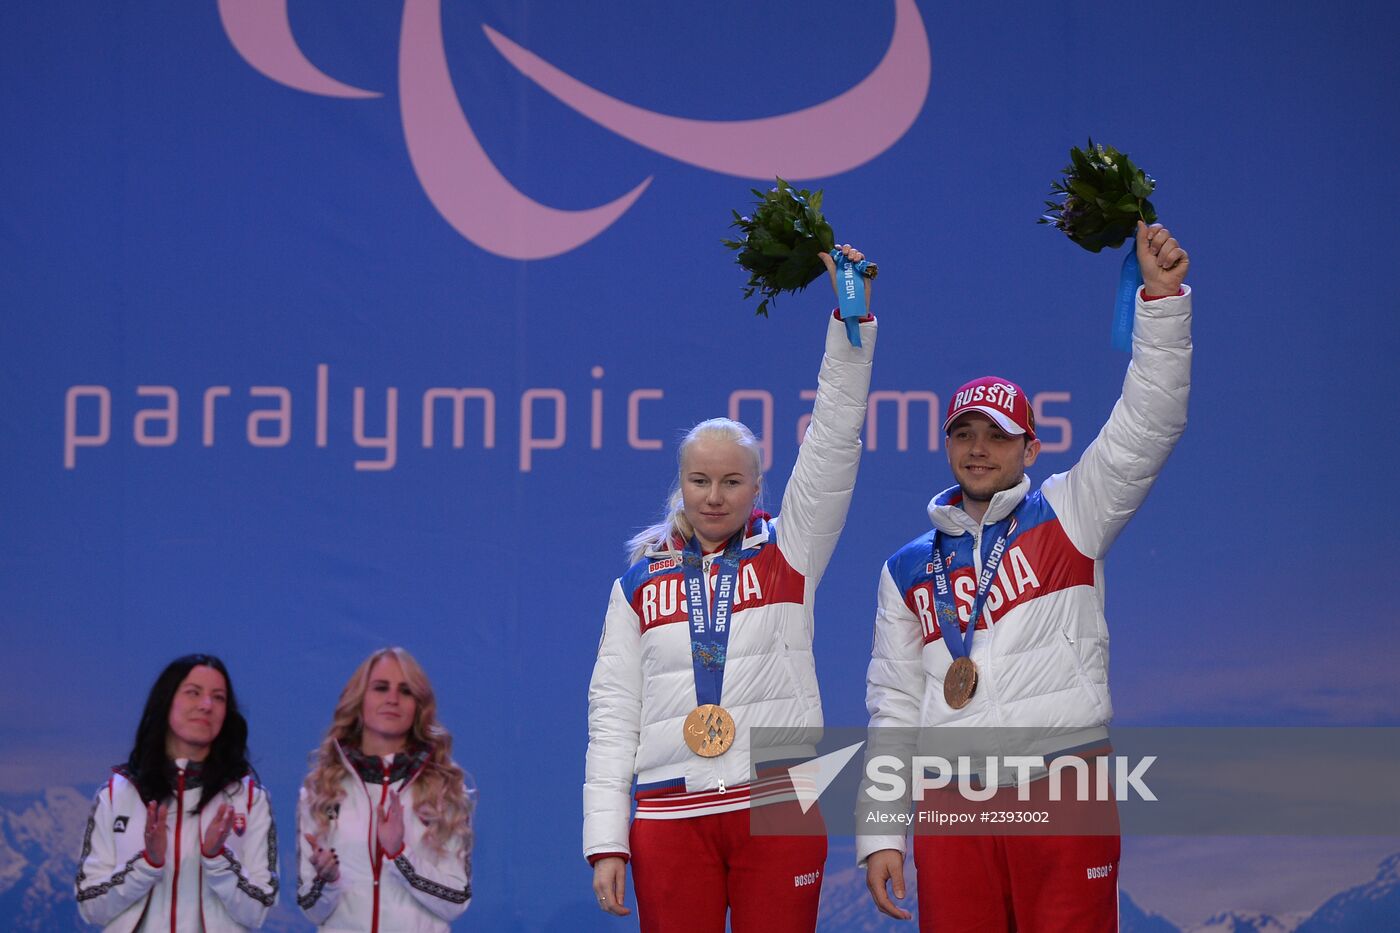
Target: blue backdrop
[{"x": 246, "y": 242}]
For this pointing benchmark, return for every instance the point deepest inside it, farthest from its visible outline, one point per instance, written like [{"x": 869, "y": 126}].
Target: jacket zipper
[
  {"x": 378, "y": 853},
  {"x": 179, "y": 820}
]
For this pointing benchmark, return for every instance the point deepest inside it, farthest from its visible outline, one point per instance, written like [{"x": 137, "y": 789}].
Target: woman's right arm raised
[{"x": 818, "y": 493}]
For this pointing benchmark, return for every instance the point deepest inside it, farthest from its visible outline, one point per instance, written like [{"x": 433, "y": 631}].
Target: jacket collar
[
  {"x": 370, "y": 768},
  {"x": 194, "y": 773},
  {"x": 946, "y": 512}
]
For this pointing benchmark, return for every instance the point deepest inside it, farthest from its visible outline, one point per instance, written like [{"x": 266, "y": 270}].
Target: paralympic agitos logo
[{"x": 474, "y": 197}]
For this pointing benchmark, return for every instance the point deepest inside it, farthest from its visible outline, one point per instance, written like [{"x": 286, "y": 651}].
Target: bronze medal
[
  {"x": 709, "y": 730},
  {"x": 959, "y": 683}
]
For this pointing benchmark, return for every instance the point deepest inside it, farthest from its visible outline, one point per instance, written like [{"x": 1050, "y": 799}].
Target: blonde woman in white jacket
[
  {"x": 384, "y": 819},
  {"x": 181, "y": 835},
  {"x": 671, "y": 709}
]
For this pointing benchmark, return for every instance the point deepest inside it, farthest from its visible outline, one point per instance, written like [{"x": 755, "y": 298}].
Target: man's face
[{"x": 985, "y": 459}]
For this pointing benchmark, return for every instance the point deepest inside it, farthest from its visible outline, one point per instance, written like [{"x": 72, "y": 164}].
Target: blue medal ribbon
[
  {"x": 850, "y": 293},
  {"x": 960, "y": 643},
  {"x": 709, "y": 619},
  {"x": 1129, "y": 281}
]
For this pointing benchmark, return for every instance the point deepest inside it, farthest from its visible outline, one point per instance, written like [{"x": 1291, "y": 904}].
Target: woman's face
[
  {"x": 388, "y": 709},
  {"x": 196, "y": 713},
  {"x": 718, "y": 488}
]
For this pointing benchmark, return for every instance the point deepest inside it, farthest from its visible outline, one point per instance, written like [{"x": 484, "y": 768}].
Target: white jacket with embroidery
[
  {"x": 419, "y": 890},
  {"x": 119, "y": 889},
  {"x": 643, "y": 684}
]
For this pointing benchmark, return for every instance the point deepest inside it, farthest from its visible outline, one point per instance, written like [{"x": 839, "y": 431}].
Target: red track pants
[
  {"x": 688, "y": 872},
  {"x": 1021, "y": 882},
  {"x": 1004, "y": 884}
]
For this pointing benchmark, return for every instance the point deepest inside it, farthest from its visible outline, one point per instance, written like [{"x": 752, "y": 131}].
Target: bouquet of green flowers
[
  {"x": 1103, "y": 196},
  {"x": 783, "y": 237}
]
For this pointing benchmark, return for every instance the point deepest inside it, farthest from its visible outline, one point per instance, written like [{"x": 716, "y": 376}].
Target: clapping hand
[
  {"x": 325, "y": 861},
  {"x": 391, "y": 825},
  {"x": 217, "y": 832},
  {"x": 155, "y": 832}
]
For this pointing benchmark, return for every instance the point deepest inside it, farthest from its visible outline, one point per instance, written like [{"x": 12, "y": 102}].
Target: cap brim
[{"x": 1003, "y": 422}]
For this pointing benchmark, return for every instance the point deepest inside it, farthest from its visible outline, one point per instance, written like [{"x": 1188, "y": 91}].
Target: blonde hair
[
  {"x": 440, "y": 797},
  {"x": 673, "y": 523}
]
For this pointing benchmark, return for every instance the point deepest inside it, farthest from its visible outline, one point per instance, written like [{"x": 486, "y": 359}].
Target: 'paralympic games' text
[{"x": 163, "y": 416}]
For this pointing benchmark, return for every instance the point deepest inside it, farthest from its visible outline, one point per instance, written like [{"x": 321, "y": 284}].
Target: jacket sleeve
[
  {"x": 614, "y": 730},
  {"x": 894, "y": 692},
  {"x": 247, "y": 888},
  {"x": 317, "y": 899},
  {"x": 1101, "y": 492},
  {"x": 104, "y": 888},
  {"x": 441, "y": 884},
  {"x": 818, "y": 492}
]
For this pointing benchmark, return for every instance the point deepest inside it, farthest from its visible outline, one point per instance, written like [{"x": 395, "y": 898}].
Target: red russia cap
[{"x": 999, "y": 399}]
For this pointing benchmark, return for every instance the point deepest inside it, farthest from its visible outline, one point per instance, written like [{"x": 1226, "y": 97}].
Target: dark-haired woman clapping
[{"x": 181, "y": 835}]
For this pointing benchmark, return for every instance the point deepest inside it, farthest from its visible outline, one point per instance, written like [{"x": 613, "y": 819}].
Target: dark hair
[{"x": 147, "y": 765}]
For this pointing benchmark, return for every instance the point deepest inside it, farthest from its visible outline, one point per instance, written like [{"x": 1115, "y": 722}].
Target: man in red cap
[{"x": 1025, "y": 564}]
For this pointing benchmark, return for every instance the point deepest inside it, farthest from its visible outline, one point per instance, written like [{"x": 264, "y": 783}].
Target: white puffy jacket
[
  {"x": 643, "y": 683},
  {"x": 1041, "y": 647},
  {"x": 420, "y": 890},
  {"x": 120, "y": 890}
]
